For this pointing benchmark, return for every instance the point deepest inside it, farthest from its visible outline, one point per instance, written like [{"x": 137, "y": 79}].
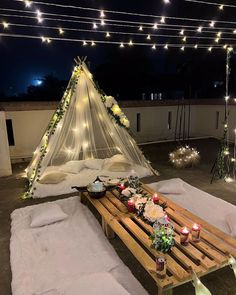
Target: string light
[
  {"x": 102, "y": 14},
  {"x": 181, "y": 32},
  {"x": 95, "y": 26},
  {"x": 212, "y": 24},
  {"x": 122, "y": 45},
  {"x": 108, "y": 35},
  {"x": 184, "y": 39},
  {"x": 61, "y": 31},
  {"x": 154, "y": 46},
  {"x": 221, "y": 7},
  {"x": 234, "y": 31},
  {"x": 199, "y": 30},
  {"x": 166, "y": 46},
  {"x": 93, "y": 43},
  {"x": 103, "y": 22},
  {"x": 131, "y": 43},
  {"x": 140, "y": 28},
  {"x": 182, "y": 48},
  {"x": 166, "y": 1},
  {"x": 155, "y": 27},
  {"x": 163, "y": 20},
  {"x": 5, "y": 25},
  {"x": 28, "y": 3},
  {"x": 219, "y": 34},
  {"x": 85, "y": 43},
  {"x": 148, "y": 37},
  {"x": 217, "y": 40},
  {"x": 196, "y": 46},
  {"x": 210, "y": 49}
]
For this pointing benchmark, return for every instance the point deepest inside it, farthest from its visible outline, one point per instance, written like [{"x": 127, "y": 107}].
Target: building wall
[{"x": 29, "y": 125}]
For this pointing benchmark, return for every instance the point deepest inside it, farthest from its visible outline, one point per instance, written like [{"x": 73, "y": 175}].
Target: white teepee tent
[{"x": 86, "y": 125}]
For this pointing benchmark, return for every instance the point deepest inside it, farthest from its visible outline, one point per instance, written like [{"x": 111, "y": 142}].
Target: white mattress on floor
[
  {"x": 202, "y": 204},
  {"x": 49, "y": 260},
  {"x": 83, "y": 178}
]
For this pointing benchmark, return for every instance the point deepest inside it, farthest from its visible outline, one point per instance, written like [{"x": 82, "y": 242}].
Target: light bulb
[
  {"x": 210, "y": 49},
  {"x": 166, "y": 46},
  {"x": 182, "y": 48},
  {"x": 93, "y": 43},
  {"x": 234, "y": 31},
  {"x": 28, "y": 3},
  {"x": 184, "y": 39},
  {"x": 61, "y": 31},
  {"x": 155, "y": 27},
  {"x": 5, "y": 25},
  {"x": 131, "y": 43},
  {"x": 102, "y": 14},
  {"x": 40, "y": 20},
  {"x": 199, "y": 29},
  {"x": 219, "y": 34},
  {"x": 108, "y": 35},
  {"x": 181, "y": 32},
  {"x": 221, "y": 7},
  {"x": 212, "y": 24},
  {"x": 140, "y": 28},
  {"x": 196, "y": 46},
  {"x": 95, "y": 26},
  {"x": 148, "y": 37},
  {"x": 103, "y": 22},
  {"x": 163, "y": 20},
  {"x": 154, "y": 46},
  {"x": 85, "y": 43},
  {"x": 166, "y": 1},
  {"x": 122, "y": 45},
  {"x": 217, "y": 40}
]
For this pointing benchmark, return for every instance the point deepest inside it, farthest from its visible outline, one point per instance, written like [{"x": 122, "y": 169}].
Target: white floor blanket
[
  {"x": 83, "y": 178},
  {"x": 62, "y": 258},
  {"x": 204, "y": 205}
]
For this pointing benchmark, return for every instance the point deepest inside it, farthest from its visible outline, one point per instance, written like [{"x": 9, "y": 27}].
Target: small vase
[{"x": 161, "y": 266}]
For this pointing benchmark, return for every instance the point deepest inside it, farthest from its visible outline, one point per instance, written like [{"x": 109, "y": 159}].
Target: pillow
[
  {"x": 53, "y": 178},
  {"x": 231, "y": 221},
  {"x": 172, "y": 186},
  {"x": 95, "y": 164},
  {"x": 118, "y": 158},
  {"x": 46, "y": 214},
  {"x": 119, "y": 167},
  {"x": 102, "y": 283},
  {"x": 72, "y": 166}
]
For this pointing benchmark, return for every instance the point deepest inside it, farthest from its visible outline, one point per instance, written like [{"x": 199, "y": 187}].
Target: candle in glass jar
[
  {"x": 155, "y": 198},
  {"x": 121, "y": 187},
  {"x": 131, "y": 206},
  {"x": 184, "y": 236},
  {"x": 196, "y": 229}
]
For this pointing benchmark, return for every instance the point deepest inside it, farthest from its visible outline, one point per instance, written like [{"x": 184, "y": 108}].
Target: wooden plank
[
  {"x": 116, "y": 202},
  {"x": 107, "y": 230},
  {"x": 172, "y": 265},
  {"x": 212, "y": 229},
  {"x": 139, "y": 253},
  {"x": 210, "y": 248},
  {"x": 190, "y": 250}
]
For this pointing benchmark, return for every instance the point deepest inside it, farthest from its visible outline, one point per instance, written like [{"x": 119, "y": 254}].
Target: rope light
[
  {"x": 125, "y": 13},
  {"x": 166, "y": 46},
  {"x": 62, "y": 30}
]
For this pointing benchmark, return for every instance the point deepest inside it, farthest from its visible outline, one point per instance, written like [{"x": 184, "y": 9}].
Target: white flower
[
  {"x": 139, "y": 200},
  {"x": 116, "y": 110},
  {"x": 128, "y": 191},
  {"x": 124, "y": 121},
  {"x": 153, "y": 212},
  {"x": 109, "y": 101}
]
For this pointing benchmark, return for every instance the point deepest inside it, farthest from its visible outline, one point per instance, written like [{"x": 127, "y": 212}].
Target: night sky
[{"x": 24, "y": 61}]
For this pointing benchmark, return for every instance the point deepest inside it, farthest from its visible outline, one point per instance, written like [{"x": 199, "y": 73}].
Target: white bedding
[
  {"x": 83, "y": 178},
  {"x": 204, "y": 205},
  {"x": 50, "y": 259}
]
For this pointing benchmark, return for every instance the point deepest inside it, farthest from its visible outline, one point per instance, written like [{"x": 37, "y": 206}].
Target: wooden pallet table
[{"x": 208, "y": 255}]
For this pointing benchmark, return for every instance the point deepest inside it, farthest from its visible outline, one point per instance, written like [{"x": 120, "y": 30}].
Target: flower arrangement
[
  {"x": 115, "y": 111},
  {"x": 153, "y": 212},
  {"x": 184, "y": 157},
  {"x": 163, "y": 235}
]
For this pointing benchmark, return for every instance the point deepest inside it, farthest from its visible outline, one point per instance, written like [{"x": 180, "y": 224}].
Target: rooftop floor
[{"x": 220, "y": 283}]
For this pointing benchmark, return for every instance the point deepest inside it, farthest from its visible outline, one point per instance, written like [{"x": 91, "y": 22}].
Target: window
[
  {"x": 169, "y": 120},
  {"x": 217, "y": 119},
  {"x": 138, "y": 122},
  {"x": 10, "y": 133}
]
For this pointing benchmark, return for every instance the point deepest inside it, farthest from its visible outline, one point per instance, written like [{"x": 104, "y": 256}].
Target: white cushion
[
  {"x": 72, "y": 166},
  {"x": 46, "y": 214},
  {"x": 118, "y": 158},
  {"x": 94, "y": 164},
  {"x": 102, "y": 283},
  {"x": 117, "y": 163},
  {"x": 53, "y": 178},
  {"x": 231, "y": 221},
  {"x": 172, "y": 186}
]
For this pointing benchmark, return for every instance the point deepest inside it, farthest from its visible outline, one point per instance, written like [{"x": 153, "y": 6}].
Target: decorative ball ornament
[{"x": 184, "y": 157}]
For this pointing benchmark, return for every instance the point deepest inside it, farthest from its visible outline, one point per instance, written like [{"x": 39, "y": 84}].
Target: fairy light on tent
[
  {"x": 108, "y": 35},
  {"x": 122, "y": 45},
  {"x": 102, "y": 22},
  {"x": 166, "y": 1},
  {"x": 130, "y": 43},
  {"x": 221, "y": 7},
  {"x": 140, "y": 28},
  {"x": 93, "y": 43},
  {"x": 85, "y": 43},
  {"x": 102, "y": 14},
  {"x": 148, "y": 37},
  {"x": 182, "y": 48},
  {"x": 184, "y": 39},
  {"x": 196, "y": 46},
  {"x": 154, "y": 47},
  {"x": 210, "y": 49},
  {"x": 181, "y": 32},
  {"x": 95, "y": 26},
  {"x": 166, "y": 46}
]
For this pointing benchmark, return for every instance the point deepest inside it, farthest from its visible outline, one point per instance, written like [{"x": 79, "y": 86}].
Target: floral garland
[
  {"x": 154, "y": 215},
  {"x": 115, "y": 111},
  {"x": 57, "y": 117}
]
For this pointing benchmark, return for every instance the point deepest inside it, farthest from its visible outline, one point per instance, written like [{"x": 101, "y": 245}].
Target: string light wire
[{"x": 211, "y": 3}]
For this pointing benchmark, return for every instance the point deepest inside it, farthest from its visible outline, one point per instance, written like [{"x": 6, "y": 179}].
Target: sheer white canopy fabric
[{"x": 84, "y": 131}]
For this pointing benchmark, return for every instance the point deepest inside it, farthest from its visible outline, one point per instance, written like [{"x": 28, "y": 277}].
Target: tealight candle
[
  {"x": 196, "y": 229},
  {"x": 184, "y": 236},
  {"x": 131, "y": 206},
  {"x": 155, "y": 198}
]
